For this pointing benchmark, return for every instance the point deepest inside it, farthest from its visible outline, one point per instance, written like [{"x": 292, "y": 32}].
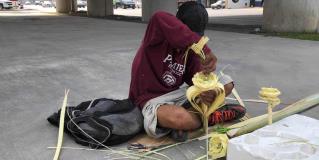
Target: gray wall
[{"x": 291, "y": 15}]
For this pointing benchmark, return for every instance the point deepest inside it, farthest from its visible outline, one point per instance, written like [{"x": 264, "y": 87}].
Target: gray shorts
[{"x": 177, "y": 98}]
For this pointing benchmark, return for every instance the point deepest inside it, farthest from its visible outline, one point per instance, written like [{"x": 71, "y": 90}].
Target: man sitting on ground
[{"x": 159, "y": 72}]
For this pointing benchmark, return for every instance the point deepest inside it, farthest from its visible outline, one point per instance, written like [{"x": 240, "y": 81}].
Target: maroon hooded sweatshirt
[{"x": 158, "y": 67}]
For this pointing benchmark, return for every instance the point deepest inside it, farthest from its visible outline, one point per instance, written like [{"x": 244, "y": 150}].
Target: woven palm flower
[
  {"x": 204, "y": 83},
  {"x": 218, "y": 145}
]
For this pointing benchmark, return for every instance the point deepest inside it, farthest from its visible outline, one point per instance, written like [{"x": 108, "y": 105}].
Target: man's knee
[
  {"x": 177, "y": 118},
  {"x": 180, "y": 119}
]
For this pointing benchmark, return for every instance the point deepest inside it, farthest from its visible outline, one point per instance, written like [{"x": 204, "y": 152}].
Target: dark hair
[{"x": 194, "y": 15}]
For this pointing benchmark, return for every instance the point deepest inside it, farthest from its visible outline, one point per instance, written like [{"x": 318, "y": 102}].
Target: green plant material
[
  {"x": 222, "y": 130},
  {"x": 261, "y": 121},
  {"x": 302, "y": 36}
]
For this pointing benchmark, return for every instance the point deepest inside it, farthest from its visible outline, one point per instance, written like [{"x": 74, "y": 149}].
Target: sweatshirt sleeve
[{"x": 164, "y": 26}]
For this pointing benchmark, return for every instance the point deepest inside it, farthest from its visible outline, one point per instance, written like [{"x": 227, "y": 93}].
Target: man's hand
[
  {"x": 208, "y": 97},
  {"x": 209, "y": 64}
]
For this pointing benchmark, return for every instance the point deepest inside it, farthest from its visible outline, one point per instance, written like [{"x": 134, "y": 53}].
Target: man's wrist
[{"x": 228, "y": 88}]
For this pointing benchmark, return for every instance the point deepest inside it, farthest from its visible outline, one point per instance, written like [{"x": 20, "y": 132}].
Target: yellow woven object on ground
[
  {"x": 218, "y": 145},
  {"x": 271, "y": 96}
]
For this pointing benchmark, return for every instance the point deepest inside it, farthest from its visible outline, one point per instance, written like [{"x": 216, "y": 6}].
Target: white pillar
[
  {"x": 291, "y": 15},
  {"x": 99, "y": 8},
  {"x": 151, "y": 6},
  {"x": 63, "y": 6}
]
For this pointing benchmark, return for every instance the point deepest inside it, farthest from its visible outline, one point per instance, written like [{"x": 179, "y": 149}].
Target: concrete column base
[
  {"x": 63, "y": 6},
  {"x": 151, "y": 6},
  {"x": 99, "y": 8},
  {"x": 291, "y": 15}
]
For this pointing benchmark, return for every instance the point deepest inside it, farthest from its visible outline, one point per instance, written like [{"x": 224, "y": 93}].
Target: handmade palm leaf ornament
[
  {"x": 204, "y": 83},
  {"x": 218, "y": 145},
  {"x": 197, "y": 48},
  {"x": 270, "y": 95}
]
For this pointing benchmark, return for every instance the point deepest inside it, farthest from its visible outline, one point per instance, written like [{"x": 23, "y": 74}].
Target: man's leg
[
  {"x": 177, "y": 117},
  {"x": 164, "y": 113},
  {"x": 168, "y": 106}
]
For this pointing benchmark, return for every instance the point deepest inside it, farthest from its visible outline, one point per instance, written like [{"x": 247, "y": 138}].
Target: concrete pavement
[{"x": 41, "y": 56}]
